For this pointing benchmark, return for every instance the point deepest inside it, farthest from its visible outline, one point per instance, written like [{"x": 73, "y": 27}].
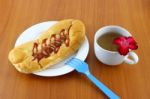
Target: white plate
[{"x": 59, "y": 68}]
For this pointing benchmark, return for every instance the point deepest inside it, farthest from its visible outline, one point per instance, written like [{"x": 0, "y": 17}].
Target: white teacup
[{"x": 112, "y": 57}]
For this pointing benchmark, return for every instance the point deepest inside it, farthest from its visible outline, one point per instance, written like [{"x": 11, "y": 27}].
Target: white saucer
[{"x": 60, "y": 68}]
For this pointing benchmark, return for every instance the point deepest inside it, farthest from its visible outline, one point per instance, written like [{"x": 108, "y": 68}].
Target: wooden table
[{"x": 129, "y": 82}]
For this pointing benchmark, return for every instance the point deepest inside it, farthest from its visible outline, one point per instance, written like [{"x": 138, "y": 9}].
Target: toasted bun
[{"x": 22, "y": 56}]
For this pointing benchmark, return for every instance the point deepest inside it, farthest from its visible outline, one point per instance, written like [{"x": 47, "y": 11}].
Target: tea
[{"x": 106, "y": 41}]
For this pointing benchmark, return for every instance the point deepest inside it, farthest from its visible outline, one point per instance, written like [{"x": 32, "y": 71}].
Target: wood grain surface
[{"x": 129, "y": 82}]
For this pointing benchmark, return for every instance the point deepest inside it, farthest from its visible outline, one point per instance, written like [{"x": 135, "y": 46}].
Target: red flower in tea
[{"x": 125, "y": 44}]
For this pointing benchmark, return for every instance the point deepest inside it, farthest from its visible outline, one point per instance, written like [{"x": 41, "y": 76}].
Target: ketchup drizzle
[{"x": 52, "y": 45}]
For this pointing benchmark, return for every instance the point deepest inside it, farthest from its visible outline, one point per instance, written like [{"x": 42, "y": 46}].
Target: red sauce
[{"x": 53, "y": 46}]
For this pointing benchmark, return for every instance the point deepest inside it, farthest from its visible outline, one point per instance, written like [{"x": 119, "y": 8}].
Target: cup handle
[{"x": 134, "y": 59}]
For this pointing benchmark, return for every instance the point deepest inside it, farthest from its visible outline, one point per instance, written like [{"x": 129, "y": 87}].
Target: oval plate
[{"x": 60, "y": 68}]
